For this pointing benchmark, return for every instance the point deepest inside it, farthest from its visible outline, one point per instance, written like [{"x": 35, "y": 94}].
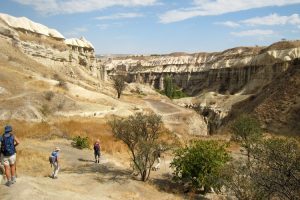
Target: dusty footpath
[{"x": 80, "y": 178}]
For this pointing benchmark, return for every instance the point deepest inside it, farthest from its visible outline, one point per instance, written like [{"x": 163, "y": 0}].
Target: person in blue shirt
[
  {"x": 8, "y": 154},
  {"x": 54, "y": 160}
]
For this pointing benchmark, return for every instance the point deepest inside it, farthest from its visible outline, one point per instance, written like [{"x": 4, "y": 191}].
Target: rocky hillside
[
  {"x": 49, "y": 47},
  {"x": 217, "y": 81},
  {"x": 229, "y": 70},
  {"x": 45, "y": 77}
]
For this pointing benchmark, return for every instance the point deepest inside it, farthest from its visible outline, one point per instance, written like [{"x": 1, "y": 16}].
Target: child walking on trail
[
  {"x": 54, "y": 161},
  {"x": 97, "y": 151}
]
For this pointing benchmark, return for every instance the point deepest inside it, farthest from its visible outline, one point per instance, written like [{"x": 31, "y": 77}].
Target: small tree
[
  {"x": 200, "y": 164},
  {"x": 274, "y": 172},
  {"x": 141, "y": 133},
  {"x": 247, "y": 131},
  {"x": 237, "y": 179},
  {"x": 119, "y": 84},
  {"x": 168, "y": 86},
  {"x": 276, "y": 168}
]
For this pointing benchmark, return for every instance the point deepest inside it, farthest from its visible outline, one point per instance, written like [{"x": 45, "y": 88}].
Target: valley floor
[{"x": 80, "y": 177}]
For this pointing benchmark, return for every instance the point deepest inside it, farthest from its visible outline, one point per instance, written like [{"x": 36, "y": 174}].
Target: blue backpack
[
  {"x": 53, "y": 157},
  {"x": 8, "y": 145}
]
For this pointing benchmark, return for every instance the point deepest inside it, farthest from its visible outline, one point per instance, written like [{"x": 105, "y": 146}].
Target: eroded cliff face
[
  {"x": 230, "y": 70},
  {"x": 231, "y": 76},
  {"x": 50, "y": 48}
]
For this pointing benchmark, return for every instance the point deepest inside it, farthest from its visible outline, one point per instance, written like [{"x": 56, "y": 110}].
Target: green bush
[
  {"x": 200, "y": 164},
  {"x": 273, "y": 173},
  {"x": 81, "y": 142},
  {"x": 177, "y": 94},
  {"x": 168, "y": 86},
  {"x": 246, "y": 130}
]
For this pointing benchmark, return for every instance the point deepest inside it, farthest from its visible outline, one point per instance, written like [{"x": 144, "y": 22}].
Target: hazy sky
[{"x": 164, "y": 26}]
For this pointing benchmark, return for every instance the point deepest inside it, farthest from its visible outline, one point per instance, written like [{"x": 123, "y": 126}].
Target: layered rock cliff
[
  {"x": 231, "y": 76},
  {"x": 230, "y": 70},
  {"x": 50, "y": 48}
]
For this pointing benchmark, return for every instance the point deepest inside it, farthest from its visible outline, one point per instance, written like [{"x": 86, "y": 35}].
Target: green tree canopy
[{"x": 200, "y": 164}]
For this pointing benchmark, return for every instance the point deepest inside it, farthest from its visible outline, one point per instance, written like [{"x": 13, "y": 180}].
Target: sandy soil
[{"x": 81, "y": 178}]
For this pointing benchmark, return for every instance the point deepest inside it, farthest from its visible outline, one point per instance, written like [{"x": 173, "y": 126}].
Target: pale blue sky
[{"x": 165, "y": 26}]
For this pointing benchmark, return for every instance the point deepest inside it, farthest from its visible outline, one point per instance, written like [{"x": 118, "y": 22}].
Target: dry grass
[
  {"x": 90, "y": 128},
  {"x": 32, "y": 163},
  {"x": 48, "y": 41},
  {"x": 23, "y": 129},
  {"x": 94, "y": 130}
]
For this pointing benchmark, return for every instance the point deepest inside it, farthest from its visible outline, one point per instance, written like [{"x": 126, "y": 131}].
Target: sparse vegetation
[
  {"x": 119, "y": 84},
  {"x": 49, "y": 95},
  {"x": 273, "y": 172},
  {"x": 47, "y": 41},
  {"x": 45, "y": 110},
  {"x": 168, "y": 86},
  {"x": 171, "y": 90},
  {"x": 199, "y": 164},
  {"x": 81, "y": 142},
  {"x": 247, "y": 131},
  {"x": 61, "y": 82},
  {"x": 141, "y": 133}
]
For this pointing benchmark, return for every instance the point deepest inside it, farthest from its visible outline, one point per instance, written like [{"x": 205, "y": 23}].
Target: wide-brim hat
[
  {"x": 57, "y": 149},
  {"x": 7, "y": 129}
]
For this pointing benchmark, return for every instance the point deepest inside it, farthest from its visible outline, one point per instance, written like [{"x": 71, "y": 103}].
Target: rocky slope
[
  {"x": 45, "y": 77},
  {"x": 49, "y": 47},
  {"x": 215, "y": 80}
]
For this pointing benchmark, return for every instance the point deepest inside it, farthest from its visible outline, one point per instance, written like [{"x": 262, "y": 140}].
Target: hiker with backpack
[
  {"x": 8, "y": 154},
  {"x": 54, "y": 161},
  {"x": 97, "y": 149},
  {"x": 2, "y": 171}
]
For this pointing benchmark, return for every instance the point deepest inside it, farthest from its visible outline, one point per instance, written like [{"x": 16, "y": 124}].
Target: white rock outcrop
[
  {"x": 81, "y": 42},
  {"x": 24, "y": 23}
]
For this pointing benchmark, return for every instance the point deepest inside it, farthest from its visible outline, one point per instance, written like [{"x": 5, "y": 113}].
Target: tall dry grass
[
  {"x": 94, "y": 130},
  {"x": 91, "y": 128},
  {"x": 32, "y": 163}
]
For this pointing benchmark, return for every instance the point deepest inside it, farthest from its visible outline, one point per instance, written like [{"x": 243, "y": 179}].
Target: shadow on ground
[
  {"x": 103, "y": 173},
  {"x": 85, "y": 160},
  {"x": 165, "y": 183}
]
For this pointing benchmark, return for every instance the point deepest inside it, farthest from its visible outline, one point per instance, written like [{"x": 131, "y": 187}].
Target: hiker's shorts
[{"x": 8, "y": 160}]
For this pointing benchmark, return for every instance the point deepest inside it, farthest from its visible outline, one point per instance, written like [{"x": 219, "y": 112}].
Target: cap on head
[
  {"x": 7, "y": 129},
  {"x": 57, "y": 149}
]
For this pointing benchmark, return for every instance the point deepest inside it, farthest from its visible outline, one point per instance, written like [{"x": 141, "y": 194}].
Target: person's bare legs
[
  {"x": 7, "y": 172},
  {"x": 13, "y": 173}
]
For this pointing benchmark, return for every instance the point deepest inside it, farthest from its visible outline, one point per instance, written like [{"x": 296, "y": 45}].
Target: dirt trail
[{"x": 80, "y": 178}]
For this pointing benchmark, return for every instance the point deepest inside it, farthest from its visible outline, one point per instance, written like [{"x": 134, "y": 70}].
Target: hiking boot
[
  {"x": 13, "y": 180},
  {"x": 55, "y": 177},
  {"x": 98, "y": 161},
  {"x": 8, "y": 183}
]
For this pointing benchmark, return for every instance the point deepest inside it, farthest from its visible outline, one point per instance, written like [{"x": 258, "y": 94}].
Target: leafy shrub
[
  {"x": 45, "y": 110},
  {"x": 168, "y": 86},
  {"x": 247, "y": 131},
  {"x": 49, "y": 95},
  {"x": 200, "y": 164},
  {"x": 61, "y": 82},
  {"x": 119, "y": 84},
  {"x": 177, "y": 94},
  {"x": 141, "y": 133},
  {"x": 81, "y": 142},
  {"x": 276, "y": 168},
  {"x": 273, "y": 172}
]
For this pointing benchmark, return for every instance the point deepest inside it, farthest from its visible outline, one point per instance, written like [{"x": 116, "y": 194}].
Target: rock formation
[
  {"x": 233, "y": 74},
  {"x": 49, "y": 47}
]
